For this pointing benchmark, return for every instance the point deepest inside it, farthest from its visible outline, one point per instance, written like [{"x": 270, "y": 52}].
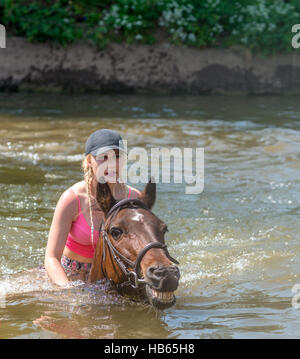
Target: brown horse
[{"x": 131, "y": 250}]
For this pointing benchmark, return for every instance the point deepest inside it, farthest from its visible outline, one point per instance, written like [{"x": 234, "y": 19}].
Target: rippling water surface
[{"x": 237, "y": 242}]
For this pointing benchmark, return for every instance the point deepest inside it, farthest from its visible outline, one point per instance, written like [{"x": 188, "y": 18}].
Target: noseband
[{"x": 132, "y": 276}]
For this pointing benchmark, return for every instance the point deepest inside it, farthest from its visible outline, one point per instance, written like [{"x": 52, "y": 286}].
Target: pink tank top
[{"x": 79, "y": 238}]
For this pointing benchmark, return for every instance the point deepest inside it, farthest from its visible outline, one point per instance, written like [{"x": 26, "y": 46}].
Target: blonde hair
[{"x": 88, "y": 178}]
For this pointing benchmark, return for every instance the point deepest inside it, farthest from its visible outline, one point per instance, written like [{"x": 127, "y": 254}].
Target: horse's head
[{"x": 131, "y": 249}]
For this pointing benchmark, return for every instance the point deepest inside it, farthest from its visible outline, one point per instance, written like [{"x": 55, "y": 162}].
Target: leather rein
[{"x": 133, "y": 277}]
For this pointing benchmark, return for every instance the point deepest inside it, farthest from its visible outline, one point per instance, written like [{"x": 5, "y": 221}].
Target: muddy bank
[{"x": 160, "y": 68}]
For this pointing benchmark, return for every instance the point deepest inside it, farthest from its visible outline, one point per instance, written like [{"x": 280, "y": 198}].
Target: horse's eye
[
  {"x": 165, "y": 230},
  {"x": 116, "y": 233}
]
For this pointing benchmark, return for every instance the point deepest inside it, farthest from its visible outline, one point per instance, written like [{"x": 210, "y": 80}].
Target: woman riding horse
[
  {"x": 73, "y": 234},
  {"x": 123, "y": 251}
]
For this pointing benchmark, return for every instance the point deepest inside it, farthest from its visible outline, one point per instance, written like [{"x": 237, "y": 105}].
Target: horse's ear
[
  {"x": 148, "y": 195},
  {"x": 104, "y": 197}
]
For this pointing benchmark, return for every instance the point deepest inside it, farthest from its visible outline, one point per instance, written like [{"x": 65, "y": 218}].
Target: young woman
[{"x": 74, "y": 230}]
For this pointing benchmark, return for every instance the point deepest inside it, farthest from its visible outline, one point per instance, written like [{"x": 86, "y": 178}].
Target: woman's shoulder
[
  {"x": 67, "y": 204},
  {"x": 78, "y": 188},
  {"x": 69, "y": 198}
]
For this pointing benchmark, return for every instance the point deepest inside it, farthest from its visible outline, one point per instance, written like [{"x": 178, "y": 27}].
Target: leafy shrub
[
  {"x": 263, "y": 26},
  {"x": 189, "y": 23},
  {"x": 131, "y": 20},
  {"x": 42, "y": 21}
]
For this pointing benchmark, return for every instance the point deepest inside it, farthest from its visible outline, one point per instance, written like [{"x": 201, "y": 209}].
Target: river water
[{"x": 238, "y": 242}]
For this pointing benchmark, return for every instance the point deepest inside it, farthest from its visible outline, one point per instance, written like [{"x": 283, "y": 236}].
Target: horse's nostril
[
  {"x": 156, "y": 272},
  {"x": 162, "y": 271},
  {"x": 164, "y": 278}
]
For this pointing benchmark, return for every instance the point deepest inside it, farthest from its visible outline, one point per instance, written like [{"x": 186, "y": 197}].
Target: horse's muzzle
[
  {"x": 161, "y": 282},
  {"x": 163, "y": 278}
]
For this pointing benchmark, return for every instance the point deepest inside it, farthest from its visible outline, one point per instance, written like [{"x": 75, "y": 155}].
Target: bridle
[{"x": 133, "y": 277}]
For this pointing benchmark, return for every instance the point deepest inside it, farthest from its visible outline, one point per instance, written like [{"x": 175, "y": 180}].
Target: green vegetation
[{"x": 264, "y": 26}]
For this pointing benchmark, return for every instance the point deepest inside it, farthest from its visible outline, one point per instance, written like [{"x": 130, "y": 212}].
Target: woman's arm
[{"x": 65, "y": 212}]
